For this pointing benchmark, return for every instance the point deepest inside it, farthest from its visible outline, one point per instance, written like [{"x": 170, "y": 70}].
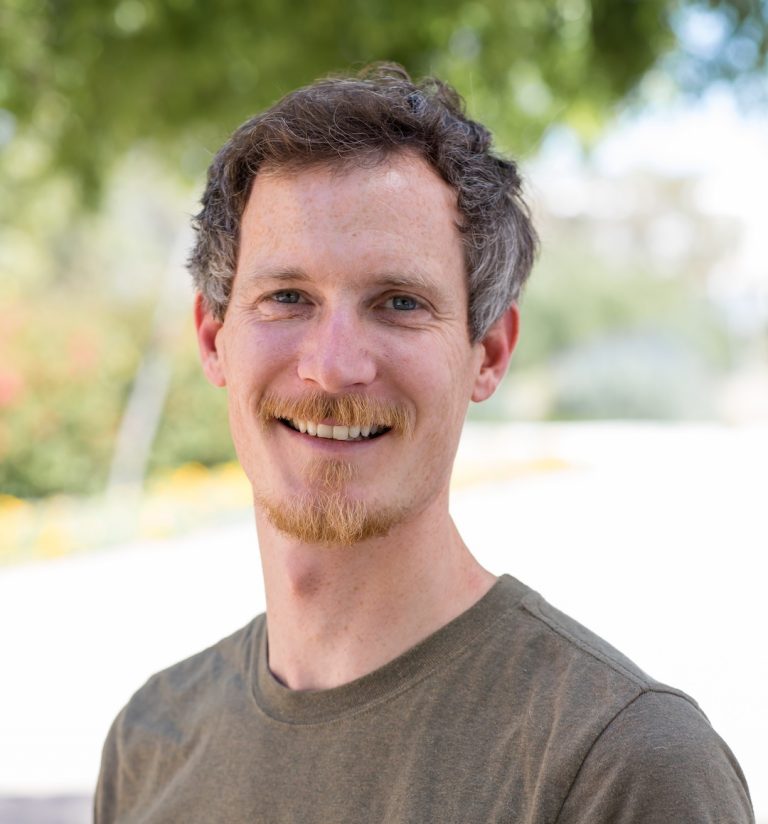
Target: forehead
[{"x": 395, "y": 209}]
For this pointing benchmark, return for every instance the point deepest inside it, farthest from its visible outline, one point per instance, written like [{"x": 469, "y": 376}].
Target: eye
[
  {"x": 402, "y": 303},
  {"x": 286, "y": 296}
]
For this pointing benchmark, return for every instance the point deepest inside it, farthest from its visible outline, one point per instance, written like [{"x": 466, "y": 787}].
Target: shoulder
[
  {"x": 580, "y": 645},
  {"x": 170, "y": 716},
  {"x": 629, "y": 748},
  {"x": 557, "y": 660},
  {"x": 178, "y": 690},
  {"x": 567, "y": 660},
  {"x": 659, "y": 760}
]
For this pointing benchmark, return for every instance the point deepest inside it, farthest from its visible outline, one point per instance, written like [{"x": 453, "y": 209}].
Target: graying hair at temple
[{"x": 362, "y": 120}]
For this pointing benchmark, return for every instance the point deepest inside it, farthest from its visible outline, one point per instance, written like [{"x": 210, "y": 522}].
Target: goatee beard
[{"x": 326, "y": 514}]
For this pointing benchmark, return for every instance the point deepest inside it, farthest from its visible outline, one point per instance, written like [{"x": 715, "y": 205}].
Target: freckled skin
[{"x": 342, "y": 230}]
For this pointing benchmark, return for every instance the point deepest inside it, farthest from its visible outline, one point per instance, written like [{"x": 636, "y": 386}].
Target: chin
[{"x": 330, "y": 518}]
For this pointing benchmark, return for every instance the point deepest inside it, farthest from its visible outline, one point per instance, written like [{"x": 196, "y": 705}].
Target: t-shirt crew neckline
[{"x": 315, "y": 707}]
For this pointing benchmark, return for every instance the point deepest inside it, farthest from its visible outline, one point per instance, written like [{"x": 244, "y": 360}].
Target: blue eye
[
  {"x": 286, "y": 297},
  {"x": 404, "y": 303}
]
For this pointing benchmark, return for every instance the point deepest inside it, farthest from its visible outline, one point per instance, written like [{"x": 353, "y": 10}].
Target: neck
[{"x": 335, "y": 614}]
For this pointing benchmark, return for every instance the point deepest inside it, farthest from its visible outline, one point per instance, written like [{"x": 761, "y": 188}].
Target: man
[{"x": 359, "y": 255}]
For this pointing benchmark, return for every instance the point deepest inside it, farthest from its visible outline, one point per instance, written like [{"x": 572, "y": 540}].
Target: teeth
[{"x": 336, "y": 432}]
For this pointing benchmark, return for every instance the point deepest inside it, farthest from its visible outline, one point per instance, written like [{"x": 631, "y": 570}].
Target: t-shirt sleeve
[
  {"x": 127, "y": 770},
  {"x": 658, "y": 762},
  {"x": 110, "y": 779}
]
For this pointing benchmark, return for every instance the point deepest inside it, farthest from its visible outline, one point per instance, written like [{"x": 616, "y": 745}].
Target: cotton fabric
[{"x": 511, "y": 713}]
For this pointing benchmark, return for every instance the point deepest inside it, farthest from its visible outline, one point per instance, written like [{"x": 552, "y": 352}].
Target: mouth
[{"x": 334, "y": 431}]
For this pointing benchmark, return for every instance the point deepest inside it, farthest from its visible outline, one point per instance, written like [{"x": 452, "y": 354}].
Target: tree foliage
[{"x": 85, "y": 80}]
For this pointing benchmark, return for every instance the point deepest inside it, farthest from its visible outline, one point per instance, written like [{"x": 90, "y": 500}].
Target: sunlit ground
[
  {"x": 175, "y": 502},
  {"x": 651, "y": 535}
]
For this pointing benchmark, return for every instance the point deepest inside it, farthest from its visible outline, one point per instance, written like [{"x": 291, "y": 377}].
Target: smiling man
[
  {"x": 359, "y": 257},
  {"x": 349, "y": 311}
]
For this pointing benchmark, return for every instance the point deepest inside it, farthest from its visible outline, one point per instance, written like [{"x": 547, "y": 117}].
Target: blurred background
[{"x": 635, "y": 411}]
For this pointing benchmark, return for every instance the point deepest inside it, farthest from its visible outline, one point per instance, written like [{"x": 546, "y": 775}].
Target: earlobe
[
  {"x": 207, "y": 340},
  {"x": 497, "y": 345}
]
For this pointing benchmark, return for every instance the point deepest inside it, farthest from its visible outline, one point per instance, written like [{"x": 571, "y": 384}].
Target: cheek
[
  {"x": 452, "y": 374},
  {"x": 254, "y": 351},
  {"x": 436, "y": 370}
]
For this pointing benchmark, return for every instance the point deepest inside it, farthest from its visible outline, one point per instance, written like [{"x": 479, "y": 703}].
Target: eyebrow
[
  {"x": 289, "y": 273},
  {"x": 403, "y": 280},
  {"x": 406, "y": 280}
]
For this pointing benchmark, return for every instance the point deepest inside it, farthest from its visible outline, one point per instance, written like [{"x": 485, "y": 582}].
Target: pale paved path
[
  {"x": 654, "y": 538},
  {"x": 49, "y": 810}
]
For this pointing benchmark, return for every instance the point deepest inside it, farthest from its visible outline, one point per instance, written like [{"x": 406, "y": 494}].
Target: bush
[{"x": 66, "y": 369}]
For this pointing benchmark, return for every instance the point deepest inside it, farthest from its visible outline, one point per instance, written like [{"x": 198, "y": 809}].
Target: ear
[
  {"x": 207, "y": 340},
  {"x": 497, "y": 347}
]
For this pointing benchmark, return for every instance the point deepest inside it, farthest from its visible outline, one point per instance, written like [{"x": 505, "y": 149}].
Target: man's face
[{"x": 348, "y": 311}]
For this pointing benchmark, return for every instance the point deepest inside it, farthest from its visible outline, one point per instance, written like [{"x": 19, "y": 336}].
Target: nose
[{"x": 335, "y": 355}]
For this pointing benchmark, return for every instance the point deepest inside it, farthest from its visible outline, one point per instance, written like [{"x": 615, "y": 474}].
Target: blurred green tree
[
  {"x": 131, "y": 93},
  {"x": 88, "y": 79}
]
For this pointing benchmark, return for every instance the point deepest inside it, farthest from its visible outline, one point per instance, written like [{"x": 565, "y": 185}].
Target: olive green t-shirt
[{"x": 511, "y": 713}]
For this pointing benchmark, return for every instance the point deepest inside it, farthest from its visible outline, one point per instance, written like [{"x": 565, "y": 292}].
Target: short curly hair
[{"x": 363, "y": 119}]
